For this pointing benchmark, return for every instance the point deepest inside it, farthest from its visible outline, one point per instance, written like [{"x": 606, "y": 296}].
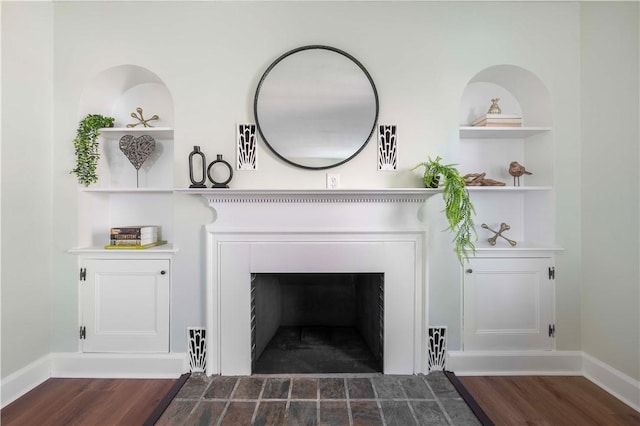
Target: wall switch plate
[{"x": 333, "y": 181}]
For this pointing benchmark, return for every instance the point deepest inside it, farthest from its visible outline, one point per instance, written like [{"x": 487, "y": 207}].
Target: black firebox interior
[{"x": 317, "y": 323}]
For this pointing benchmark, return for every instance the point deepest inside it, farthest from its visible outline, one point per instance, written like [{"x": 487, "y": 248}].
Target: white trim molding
[
  {"x": 125, "y": 366},
  {"x": 618, "y": 384},
  {"x": 77, "y": 364},
  {"x": 511, "y": 363},
  {"x": 388, "y": 195},
  {"x": 232, "y": 257},
  {"x": 22, "y": 381},
  {"x": 547, "y": 363}
]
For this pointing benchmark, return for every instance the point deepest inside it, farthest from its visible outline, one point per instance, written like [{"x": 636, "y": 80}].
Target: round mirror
[{"x": 316, "y": 107}]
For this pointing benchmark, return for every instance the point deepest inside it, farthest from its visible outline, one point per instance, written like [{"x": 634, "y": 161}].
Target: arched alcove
[
  {"x": 119, "y": 90},
  {"x": 524, "y": 202},
  {"x": 520, "y": 92}
]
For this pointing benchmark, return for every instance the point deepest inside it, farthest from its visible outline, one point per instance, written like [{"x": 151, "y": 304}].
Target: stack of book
[
  {"x": 134, "y": 237},
  {"x": 498, "y": 120}
]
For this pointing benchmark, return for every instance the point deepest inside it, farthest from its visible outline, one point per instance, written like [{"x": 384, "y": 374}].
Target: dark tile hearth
[{"x": 341, "y": 400}]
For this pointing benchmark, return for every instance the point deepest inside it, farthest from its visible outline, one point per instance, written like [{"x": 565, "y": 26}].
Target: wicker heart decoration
[{"x": 137, "y": 149}]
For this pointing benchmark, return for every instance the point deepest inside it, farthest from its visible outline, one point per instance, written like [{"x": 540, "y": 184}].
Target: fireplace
[
  {"x": 317, "y": 323},
  {"x": 294, "y": 237}
]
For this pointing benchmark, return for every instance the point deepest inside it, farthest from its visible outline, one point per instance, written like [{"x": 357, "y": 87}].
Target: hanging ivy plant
[
  {"x": 458, "y": 208},
  {"x": 86, "y": 147}
]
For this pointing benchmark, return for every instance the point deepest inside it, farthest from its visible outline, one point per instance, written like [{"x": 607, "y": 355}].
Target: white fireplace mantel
[{"x": 316, "y": 231}]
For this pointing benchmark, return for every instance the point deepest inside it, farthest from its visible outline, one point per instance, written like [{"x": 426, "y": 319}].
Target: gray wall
[
  {"x": 610, "y": 175},
  {"x": 26, "y": 176}
]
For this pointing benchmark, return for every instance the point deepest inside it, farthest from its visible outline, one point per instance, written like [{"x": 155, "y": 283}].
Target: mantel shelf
[{"x": 398, "y": 195}]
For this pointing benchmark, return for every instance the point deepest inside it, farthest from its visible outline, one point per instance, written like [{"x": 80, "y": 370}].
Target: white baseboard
[
  {"x": 123, "y": 366},
  {"x": 22, "y": 381},
  {"x": 565, "y": 363},
  {"x": 618, "y": 384},
  {"x": 511, "y": 363}
]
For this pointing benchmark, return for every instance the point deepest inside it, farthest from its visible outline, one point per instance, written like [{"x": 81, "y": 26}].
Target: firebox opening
[{"x": 317, "y": 323}]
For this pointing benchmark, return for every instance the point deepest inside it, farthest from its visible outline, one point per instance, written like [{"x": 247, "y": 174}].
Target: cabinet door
[
  {"x": 125, "y": 305},
  {"x": 508, "y": 304}
]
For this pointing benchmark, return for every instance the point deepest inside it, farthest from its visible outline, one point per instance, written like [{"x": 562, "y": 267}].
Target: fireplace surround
[{"x": 321, "y": 232}]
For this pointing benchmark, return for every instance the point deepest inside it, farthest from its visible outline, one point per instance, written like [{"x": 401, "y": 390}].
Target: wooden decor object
[
  {"x": 516, "y": 170},
  {"x": 478, "y": 179}
]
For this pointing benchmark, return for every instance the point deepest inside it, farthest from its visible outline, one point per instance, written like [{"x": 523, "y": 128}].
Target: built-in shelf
[
  {"x": 470, "y": 132},
  {"x": 167, "y": 248},
  {"x": 507, "y": 188},
  {"x": 156, "y": 132},
  {"x": 313, "y": 195},
  {"x": 522, "y": 246}
]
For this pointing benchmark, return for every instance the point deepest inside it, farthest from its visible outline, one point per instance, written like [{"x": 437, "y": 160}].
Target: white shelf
[
  {"x": 166, "y": 248},
  {"x": 470, "y": 132},
  {"x": 482, "y": 246},
  {"x": 129, "y": 190},
  {"x": 156, "y": 132},
  {"x": 508, "y": 188}
]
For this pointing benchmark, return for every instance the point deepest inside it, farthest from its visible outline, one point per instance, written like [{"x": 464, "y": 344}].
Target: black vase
[
  {"x": 219, "y": 160},
  {"x": 197, "y": 183}
]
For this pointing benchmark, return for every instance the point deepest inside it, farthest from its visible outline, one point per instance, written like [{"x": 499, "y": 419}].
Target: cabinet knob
[
  {"x": 468, "y": 271},
  {"x": 163, "y": 272}
]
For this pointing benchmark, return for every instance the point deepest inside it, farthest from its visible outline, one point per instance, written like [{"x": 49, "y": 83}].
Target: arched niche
[
  {"x": 520, "y": 92},
  {"x": 119, "y": 90}
]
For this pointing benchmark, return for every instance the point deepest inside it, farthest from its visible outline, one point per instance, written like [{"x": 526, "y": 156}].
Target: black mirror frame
[{"x": 299, "y": 49}]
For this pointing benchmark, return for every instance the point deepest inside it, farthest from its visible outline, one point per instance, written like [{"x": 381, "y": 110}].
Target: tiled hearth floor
[{"x": 305, "y": 400}]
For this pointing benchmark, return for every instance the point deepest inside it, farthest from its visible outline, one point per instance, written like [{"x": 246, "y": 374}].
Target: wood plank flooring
[
  {"x": 87, "y": 402},
  {"x": 547, "y": 400}
]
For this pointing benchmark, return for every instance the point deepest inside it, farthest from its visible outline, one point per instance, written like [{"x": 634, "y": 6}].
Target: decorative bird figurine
[{"x": 516, "y": 170}]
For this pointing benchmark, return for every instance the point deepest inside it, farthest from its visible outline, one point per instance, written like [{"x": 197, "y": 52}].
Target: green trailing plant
[
  {"x": 86, "y": 147},
  {"x": 458, "y": 208}
]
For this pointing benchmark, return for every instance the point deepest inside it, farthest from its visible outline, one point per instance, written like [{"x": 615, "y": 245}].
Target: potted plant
[
  {"x": 458, "y": 207},
  {"x": 86, "y": 147}
]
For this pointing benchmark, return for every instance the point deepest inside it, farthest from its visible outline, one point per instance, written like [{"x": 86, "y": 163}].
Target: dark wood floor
[
  {"x": 508, "y": 400},
  {"x": 87, "y": 402},
  {"x": 548, "y": 400}
]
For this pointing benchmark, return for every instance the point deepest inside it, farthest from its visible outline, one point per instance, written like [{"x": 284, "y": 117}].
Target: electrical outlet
[{"x": 333, "y": 181}]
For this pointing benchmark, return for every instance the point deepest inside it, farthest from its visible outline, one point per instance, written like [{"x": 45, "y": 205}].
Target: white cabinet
[
  {"x": 509, "y": 303},
  {"x": 124, "y": 305}
]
